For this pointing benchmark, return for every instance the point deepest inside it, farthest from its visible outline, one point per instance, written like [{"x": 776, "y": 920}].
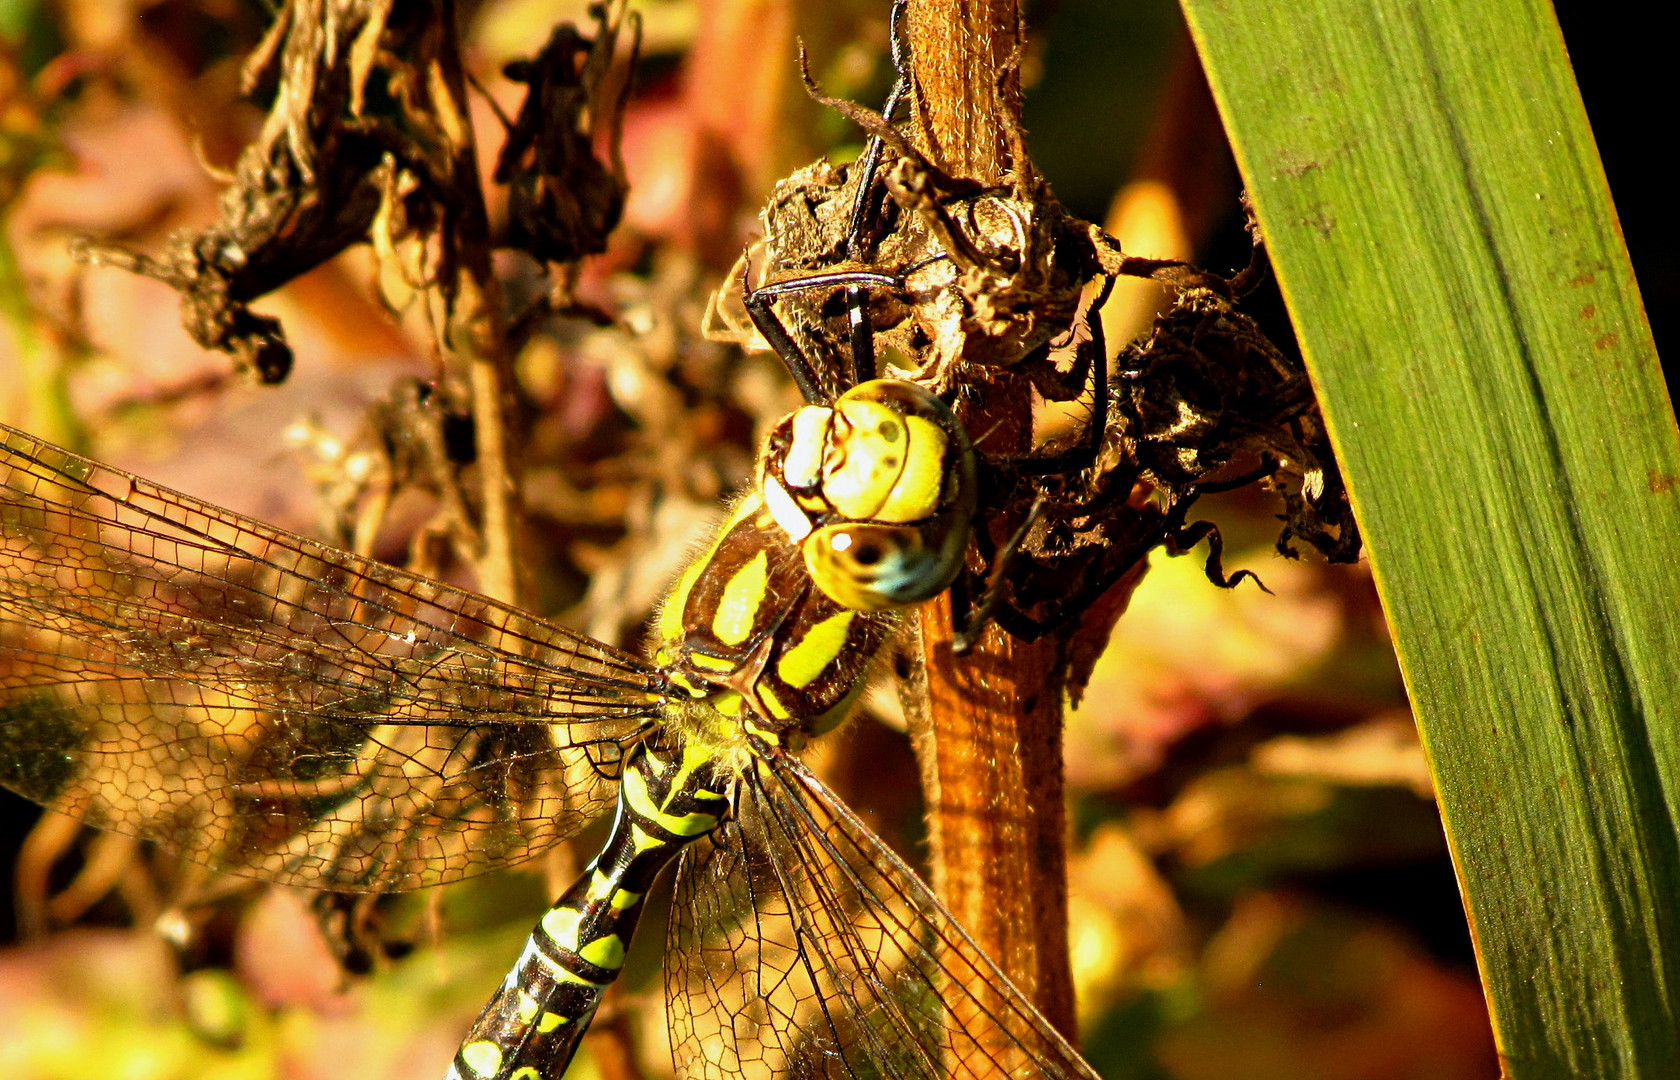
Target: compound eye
[{"x": 871, "y": 567}]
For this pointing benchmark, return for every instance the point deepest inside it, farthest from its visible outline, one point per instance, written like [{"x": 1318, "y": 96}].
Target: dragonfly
[{"x": 276, "y": 708}]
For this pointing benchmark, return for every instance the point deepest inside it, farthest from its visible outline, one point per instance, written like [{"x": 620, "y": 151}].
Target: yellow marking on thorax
[
  {"x": 671, "y": 614},
  {"x": 688, "y": 682},
  {"x": 528, "y": 1072},
  {"x": 738, "y": 607},
  {"x": 672, "y": 625},
  {"x": 529, "y": 1007},
  {"x": 550, "y": 1021},
  {"x": 811, "y": 655},
  {"x": 711, "y": 663},
  {"x": 773, "y": 703}
]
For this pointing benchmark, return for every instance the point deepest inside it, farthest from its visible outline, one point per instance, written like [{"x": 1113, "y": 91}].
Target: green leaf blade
[{"x": 1443, "y": 232}]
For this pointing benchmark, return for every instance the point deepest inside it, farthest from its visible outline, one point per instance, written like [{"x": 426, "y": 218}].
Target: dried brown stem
[
  {"x": 991, "y": 752},
  {"x": 482, "y": 328},
  {"x": 967, "y": 97}
]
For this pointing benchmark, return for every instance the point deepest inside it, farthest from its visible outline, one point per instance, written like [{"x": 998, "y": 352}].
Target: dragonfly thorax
[
  {"x": 751, "y": 640},
  {"x": 859, "y": 509}
]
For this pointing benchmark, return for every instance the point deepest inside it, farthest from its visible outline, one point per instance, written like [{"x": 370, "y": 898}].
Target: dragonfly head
[{"x": 878, "y": 491}]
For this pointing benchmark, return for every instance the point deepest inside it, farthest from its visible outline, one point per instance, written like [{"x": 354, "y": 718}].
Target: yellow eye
[{"x": 876, "y": 567}]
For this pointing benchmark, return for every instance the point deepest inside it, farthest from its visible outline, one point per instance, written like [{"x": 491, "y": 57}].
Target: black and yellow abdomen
[{"x": 670, "y": 797}]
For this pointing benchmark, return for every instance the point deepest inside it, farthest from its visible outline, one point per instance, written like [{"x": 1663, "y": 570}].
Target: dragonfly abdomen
[{"x": 532, "y": 1026}]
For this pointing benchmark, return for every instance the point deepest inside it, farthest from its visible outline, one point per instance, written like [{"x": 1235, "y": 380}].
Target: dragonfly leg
[{"x": 858, "y": 249}]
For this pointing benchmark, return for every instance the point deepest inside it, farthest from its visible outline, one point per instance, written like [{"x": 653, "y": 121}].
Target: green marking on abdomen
[
  {"x": 483, "y": 1057},
  {"x": 561, "y": 924},
  {"x": 606, "y": 953},
  {"x": 641, "y": 803}
]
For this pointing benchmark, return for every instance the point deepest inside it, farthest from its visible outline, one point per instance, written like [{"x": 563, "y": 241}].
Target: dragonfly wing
[
  {"x": 280, "y": 709},
  {"x": 801, "y": 946}
]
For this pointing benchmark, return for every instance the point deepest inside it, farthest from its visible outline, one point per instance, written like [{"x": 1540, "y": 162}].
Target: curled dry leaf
[
  {"x": 368, "y": 141},
  {"x": 563, "y": 200}
]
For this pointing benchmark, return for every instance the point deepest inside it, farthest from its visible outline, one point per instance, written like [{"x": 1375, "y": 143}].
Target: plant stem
[
  {"x": 483, "y": 332},
  {"x": 991, "y": 744}
]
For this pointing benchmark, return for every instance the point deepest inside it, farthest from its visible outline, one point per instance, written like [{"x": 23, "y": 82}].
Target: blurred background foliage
[{"x": 1259, "y": 883}]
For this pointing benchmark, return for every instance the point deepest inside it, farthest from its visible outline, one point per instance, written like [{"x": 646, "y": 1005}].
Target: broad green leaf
[{"x": 1426, "y": 179}]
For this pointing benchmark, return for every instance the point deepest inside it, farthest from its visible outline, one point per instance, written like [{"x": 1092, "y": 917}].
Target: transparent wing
[
  {"x": 277, "y": 708},
  {"x": 801, "y": 946}
]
